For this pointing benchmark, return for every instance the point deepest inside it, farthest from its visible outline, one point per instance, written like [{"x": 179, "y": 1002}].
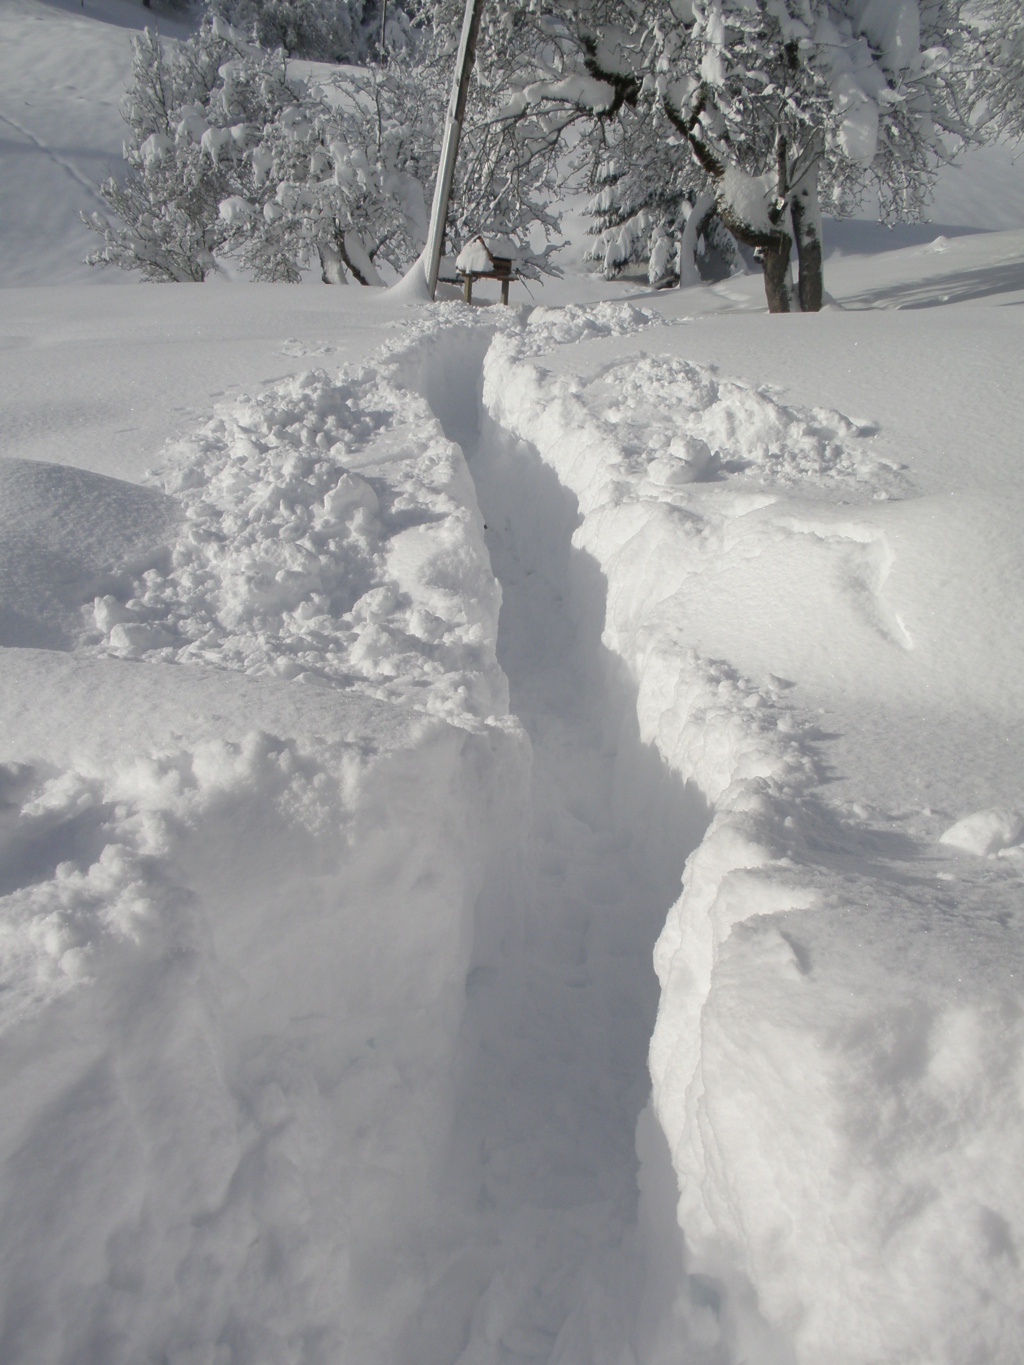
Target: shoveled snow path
[{"x": 544, "y": 1140}]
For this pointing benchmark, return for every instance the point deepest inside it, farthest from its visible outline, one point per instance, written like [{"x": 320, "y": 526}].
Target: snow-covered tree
[
  {"x": 351, "y": 178},
  {"x": 339, "y": 176},
  {"x": 168, "y": 202},
  {"x": 506, "y": 176},
  {"x": 229, "y": 152},
  {"x": 786, "y": 101},
  {"x": 782, "y": 103},
  {"x": 651, "y": 204},
  {"x": 998, "y": 63}
]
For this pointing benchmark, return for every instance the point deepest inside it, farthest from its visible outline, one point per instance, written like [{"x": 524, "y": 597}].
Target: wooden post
[{"x": 450, "y": 144}]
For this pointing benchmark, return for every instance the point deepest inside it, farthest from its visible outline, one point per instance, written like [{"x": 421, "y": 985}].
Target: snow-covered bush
[
  {"x": 230, "y": 153},
  {"x": 998, "y": 64}
]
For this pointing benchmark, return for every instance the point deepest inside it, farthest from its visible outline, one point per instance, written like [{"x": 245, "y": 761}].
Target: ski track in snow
[
  {"x": 346, "y": 533},
  {"x": 58, "y": 160}
]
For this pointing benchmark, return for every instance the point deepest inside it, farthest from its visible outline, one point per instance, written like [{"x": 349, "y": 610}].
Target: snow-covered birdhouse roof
[{"x": 480, "y": 257}]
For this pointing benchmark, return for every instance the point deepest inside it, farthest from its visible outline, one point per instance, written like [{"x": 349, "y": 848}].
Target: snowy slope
[
  {"x": 357, "y": 763},
  {"x": 65, "y": 69}
]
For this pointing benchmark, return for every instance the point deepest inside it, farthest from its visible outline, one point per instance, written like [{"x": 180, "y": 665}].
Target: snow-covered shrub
[
  {"x": 230, "y": 153},
  {"x": 998, "y": 63}
]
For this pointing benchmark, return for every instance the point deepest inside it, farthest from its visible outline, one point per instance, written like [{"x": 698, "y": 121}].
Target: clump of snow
[
  {"x": 550, "y": 327},
  {"x": 327, "y": 533},
  {"x": 662, "y": 412},
  {"x": 986, "y": 832},
  {"x": 474, "y": 258},
  {"x": 894, "y": 29},
  {"x": 235, "y": 210},
  {"x": 747, "y": 198},
  {"x": 858, "y": 129}
]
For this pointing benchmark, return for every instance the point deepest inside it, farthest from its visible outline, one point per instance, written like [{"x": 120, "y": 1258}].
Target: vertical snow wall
[
  {"x": 834, "y": 1062},
  {"x": 261, "y": 816}
]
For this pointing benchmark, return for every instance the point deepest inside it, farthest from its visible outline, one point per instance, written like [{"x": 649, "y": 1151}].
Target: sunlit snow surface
[{"x": 350, "y": 762}]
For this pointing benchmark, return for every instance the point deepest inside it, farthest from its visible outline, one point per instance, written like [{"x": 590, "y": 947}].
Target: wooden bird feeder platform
[{"x": 478, "y": 261}]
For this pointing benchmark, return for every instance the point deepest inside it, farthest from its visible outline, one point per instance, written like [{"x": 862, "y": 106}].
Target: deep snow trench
[
  {"x": 558, "y": 1027},
  {"x": 348, "y": 777}
]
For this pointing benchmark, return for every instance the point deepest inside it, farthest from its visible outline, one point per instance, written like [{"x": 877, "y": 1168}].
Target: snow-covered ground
[{"x": 453, "y": 667}]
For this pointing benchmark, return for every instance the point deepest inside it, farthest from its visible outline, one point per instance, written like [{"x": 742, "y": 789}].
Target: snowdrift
[
  {"x": 239, "y": 912},
  {"x": 836, "y": 1057}
]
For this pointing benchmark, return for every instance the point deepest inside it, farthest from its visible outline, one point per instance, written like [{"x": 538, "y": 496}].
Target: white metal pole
[{"x": 450, "y": 144}]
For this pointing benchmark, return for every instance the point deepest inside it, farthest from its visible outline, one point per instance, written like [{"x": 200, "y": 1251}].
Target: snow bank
[
  {"x": 329, "y": 532},
  {"x": 256, "y": 797},
  {"x": 835, "y": 1062},
  {"x": 234, "y": 971}
]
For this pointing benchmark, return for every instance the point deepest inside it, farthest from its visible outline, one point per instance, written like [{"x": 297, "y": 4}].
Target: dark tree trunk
[
  {"x": 332, "y": 269},
  {"x": 343, "y": 253},
  {"x": 697, "y": 224},
  {"x": 773, "y": 247},
  {"x": 807, "y": 230},
  {"x": 775, "y": 260}
]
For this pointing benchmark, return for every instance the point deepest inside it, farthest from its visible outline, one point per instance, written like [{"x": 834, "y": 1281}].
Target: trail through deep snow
[
  {"x": 544, "y": 1139},
  {"x": 399, "y": 860}
]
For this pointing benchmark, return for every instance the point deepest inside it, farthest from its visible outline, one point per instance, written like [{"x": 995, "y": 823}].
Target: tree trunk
[
  {"x": 354, "y": 255},
  {"x": 696, "y": 225},
  {"x": 775, "y": 260},
  {"x": 807, "y": 230},
  {"x": 332, "y": 270}
]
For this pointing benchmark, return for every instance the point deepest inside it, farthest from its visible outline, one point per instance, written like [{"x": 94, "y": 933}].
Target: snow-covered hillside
[{"x": 512, "y": 835}]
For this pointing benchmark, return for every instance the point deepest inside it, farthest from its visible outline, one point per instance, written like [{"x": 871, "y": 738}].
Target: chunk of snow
[
  {"x": 986, "y": 832},
  {"x": 357, "y": 255},
  {"x": 235, "y": 211},
  {"x": 894, "y": 29},
  {"x": 154, "y": 149},
  {"x": 858, "y": 130},
  {"x": 474, "y": 258},
  {"x": 747, "y": 197}
]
